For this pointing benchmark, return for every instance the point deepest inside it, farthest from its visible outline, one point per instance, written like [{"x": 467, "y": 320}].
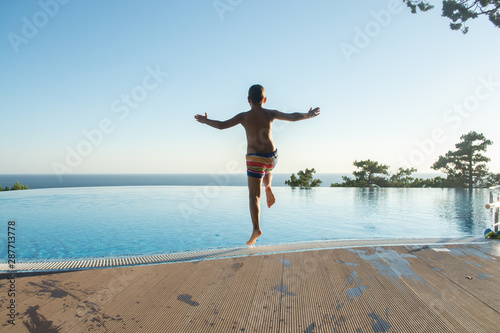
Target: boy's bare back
[
  {"x": 258, "y": 127},
  {"x": 262, "y": 155}
]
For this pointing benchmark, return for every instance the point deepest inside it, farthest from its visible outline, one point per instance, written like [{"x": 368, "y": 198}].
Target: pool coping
[{"x": 72, "y": 264}]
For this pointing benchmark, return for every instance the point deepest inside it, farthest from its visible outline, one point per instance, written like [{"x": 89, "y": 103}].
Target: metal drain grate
[{"x": 131, "y": 260}]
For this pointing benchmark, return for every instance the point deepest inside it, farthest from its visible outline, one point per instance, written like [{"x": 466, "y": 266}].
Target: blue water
[
  {"x": 112, "y": 221},
  {"x": 219, "y": 179}
]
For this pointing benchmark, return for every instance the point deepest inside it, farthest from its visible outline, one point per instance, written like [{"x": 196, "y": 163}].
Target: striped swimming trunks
[{"x": 259, "y": 164}]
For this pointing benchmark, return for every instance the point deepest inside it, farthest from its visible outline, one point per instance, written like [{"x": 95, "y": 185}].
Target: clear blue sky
[{"x": 134, "y": 73}]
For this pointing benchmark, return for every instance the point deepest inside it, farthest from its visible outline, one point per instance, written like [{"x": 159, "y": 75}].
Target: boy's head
[{"x": 257, "y": 94}]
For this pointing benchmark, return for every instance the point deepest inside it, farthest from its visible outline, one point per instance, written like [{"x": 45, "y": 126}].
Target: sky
[{"x": 113, "y": 86}]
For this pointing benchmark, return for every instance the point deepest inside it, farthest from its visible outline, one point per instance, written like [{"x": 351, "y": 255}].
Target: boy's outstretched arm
[
  {"x": 297, "y": 115},
  {"x": 220, "y": 124}
]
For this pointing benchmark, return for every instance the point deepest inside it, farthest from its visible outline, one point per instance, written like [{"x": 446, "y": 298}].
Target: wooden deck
[{"x": 412, "y": 288}]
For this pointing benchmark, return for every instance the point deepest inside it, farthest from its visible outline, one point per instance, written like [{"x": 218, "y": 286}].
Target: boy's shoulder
[
  {"x": 259, "y": 113},
  {"x": 261, "y": 110}
]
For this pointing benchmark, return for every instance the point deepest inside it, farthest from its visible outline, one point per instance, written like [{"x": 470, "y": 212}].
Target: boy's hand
[
  {"x": 201, "y": 119},
  {"x": 313, "y": 112}
]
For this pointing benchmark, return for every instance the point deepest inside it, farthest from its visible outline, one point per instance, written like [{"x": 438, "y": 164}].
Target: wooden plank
[
  {"x": 159, "y": 310},
  {"x": 356, "y": 295},
  {"x": 317, "y": 309},
  {"x": 90, "y": 311},
  {"x": 490, "y": 248},
  {"x": 295, "y": 294},
  {"x": 233, "y": 306},
  {"x": 40, "y": 286},
  {"x": 392, "y": 303},
  {"x": 456, "y": 266},
  {"x": 487, "y": 256},
  {"x": 363, "y": 310},
  {"x": 217, "y": 313},
  {"x": 369, "y": 289},
  {"x": 460, "y": 310},
  {"x": 264, "y": 310},
  {"x": 59, "y": 298},
  {"x": 129, "y": 306}
]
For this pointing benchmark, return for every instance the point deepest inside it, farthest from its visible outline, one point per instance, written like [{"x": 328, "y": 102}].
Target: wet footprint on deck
[{"x": 187, "y": 299}]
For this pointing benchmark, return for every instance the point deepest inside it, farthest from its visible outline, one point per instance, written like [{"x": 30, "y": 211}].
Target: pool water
[{"x": 113, "y": 221}]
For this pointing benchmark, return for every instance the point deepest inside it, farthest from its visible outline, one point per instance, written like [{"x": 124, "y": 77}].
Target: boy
[{"x": 262, "y": 155}]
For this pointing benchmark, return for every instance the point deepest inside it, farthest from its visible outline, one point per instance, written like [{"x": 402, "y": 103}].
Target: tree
[
  {"x": 16, "y": 186},
  {"x": 460, "y": 11},
  {"x": 402, "y": 178},
  {"x": 465, "y": 166},
  {"x": 349, "y": 182},
  {"x": 365, "y": 176},
  {"x": 368, "y": 168},
  {"x": 491, "y": 180},
  {"x": 305, "y": 179}
]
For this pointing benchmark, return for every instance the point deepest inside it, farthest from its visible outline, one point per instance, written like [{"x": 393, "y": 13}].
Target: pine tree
[
  {"x": 368, "y": 168},
  {"x": 305, "y": 179},
  {"x": 465, "y": 166},
  {"x": 460, "y": 11}
]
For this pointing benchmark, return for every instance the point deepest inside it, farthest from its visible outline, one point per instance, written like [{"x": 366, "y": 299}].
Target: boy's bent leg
[
  {"x": 254, "y": 190},
  {"x": 271, "y": 199}
]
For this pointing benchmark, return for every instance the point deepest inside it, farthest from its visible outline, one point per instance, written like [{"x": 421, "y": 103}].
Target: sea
[{"x": 36, "y": 181}]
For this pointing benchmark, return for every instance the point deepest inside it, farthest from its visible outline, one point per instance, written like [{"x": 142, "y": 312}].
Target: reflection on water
[
  {"x": 463, "y": 207},
  {"x": 372, "y": 197},
  {"x": 75, "y": 222},
  {"x": 384, "y": 212}
]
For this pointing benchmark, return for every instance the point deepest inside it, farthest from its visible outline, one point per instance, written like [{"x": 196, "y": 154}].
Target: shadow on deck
[{"x": 433, "y": 287}]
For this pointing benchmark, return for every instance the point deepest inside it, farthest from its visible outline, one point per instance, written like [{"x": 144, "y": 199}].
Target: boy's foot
[
  {"x": 271, "y": 199},
  {"x": 256, "y": 234}
]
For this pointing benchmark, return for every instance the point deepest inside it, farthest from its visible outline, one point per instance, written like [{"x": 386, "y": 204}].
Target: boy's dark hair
[{"x": 256, "y": 93}]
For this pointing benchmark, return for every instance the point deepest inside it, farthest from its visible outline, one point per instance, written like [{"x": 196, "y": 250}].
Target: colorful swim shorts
[{"x": 259, "y": 164}]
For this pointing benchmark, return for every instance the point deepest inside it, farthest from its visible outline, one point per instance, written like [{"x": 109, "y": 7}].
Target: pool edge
[{"x": 58, "y": 265}]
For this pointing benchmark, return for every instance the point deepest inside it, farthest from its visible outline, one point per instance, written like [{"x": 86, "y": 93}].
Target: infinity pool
[{"x": 113, "y": 221}]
